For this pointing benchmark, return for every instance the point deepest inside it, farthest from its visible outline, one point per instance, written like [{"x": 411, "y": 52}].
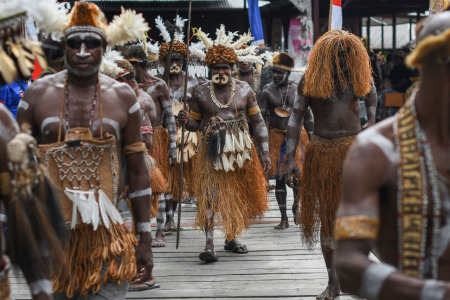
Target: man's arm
[
  {"x": 294, "y": 127},
  {"x": 308, "y": 122},
  {"x": 139, "y": 188},
  {"x": 370, "y": 101},
  {"x": 170, "y": 121},
  {"x": 259, "y": 129},
  {"x": 25, "y": 111},
  {"x": 264, "y": 103},
  {"x": 359, "y": 209},
  {"x": 194, "y": 119}
]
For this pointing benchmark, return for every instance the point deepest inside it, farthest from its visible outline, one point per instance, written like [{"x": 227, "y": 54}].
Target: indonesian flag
[{"x": 336, "y": 14}]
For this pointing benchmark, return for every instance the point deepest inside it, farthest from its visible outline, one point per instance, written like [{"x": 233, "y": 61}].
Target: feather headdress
[
  {"x": 129, "y": 26},
  {"x": 178, "y": 45},
  {"x": 109, "y": 66},
  {"x": 223, "y": 48}
]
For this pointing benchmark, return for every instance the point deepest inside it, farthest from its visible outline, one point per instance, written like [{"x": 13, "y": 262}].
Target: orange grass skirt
[
  {"x": 276, "y": 140},
  {"x": 160, "y": 149},
  {"x": 321, "y": 186},
  {"x": 158, "y": 183},
  {"x": 236, "y": 198}
]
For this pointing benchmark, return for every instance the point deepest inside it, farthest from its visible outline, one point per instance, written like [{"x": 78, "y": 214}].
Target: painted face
[
  {"x": 177, "y": 64},
  {"x": 279, "y": 76},
  {"x": 221, "y": 73},
  {"x": 83, "y": 53},
  {"x": 245, "y": 66}
]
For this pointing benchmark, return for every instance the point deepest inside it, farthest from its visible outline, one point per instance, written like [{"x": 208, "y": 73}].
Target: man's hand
[
  {"x": 172, "y": 156},
  {"x": 291, "y": 168},
  {"x": 183, "y": 116},
  {"x": 144, "y": 259},
  {"x": 265, "y": 161}
]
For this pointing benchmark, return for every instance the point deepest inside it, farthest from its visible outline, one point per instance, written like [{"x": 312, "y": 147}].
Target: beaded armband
[
  {"x": 196, "y": 116},
  {"x": 134, "y": 148},
  {"x": 356, "y": 228},
  {"x": 146, "y": 130},
  {"x": 253, "y": 111}
]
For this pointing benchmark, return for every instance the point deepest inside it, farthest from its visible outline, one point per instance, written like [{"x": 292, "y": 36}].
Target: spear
[{"x": 180, "y": 189}]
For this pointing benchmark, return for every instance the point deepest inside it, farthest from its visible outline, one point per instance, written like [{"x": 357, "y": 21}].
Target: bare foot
[
  {"x": 159, "y": 240},
  {"x": 283, "y": 225},
  {"x": 329, "y": 293}
]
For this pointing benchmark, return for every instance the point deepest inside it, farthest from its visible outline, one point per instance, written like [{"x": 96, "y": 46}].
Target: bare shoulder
[
  {"x": 243, "y": 86},
  {"x": 293, "y": 84},
  {"x": 122, "y": 90},
  {"x": 42, "y": 86},
  {"x": 8, "y": 125},
  {"x": 374, "y": 149}
]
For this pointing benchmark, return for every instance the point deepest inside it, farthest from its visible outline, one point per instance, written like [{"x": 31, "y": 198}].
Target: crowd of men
[{"x": 103, "y": 140}]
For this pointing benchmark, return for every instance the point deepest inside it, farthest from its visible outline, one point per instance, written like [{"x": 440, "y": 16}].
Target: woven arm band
[
  {"x": 196, "y": 116},
  {"x": 146, "y": 130},
  {"x": 253, "y": 111},
  {"x": 134, "y": 148},
  {"x": 356, "y": 228}
]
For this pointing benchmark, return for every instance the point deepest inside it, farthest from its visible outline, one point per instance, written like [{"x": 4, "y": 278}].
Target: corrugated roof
[{"x": 175, "y": 3}]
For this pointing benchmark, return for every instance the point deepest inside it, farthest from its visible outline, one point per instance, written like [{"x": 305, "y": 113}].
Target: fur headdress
[
  {"x": 224, "y": 49},
  {"x": 337, "y": 59},
  {"x": 178, "y": 45},
  {"x": 283, "y": 61},
  {"x": 134, "y": 52},
  {"x": 127, "y": 27}
]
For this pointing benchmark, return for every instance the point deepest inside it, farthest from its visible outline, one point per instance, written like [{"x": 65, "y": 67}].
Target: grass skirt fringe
[
  {"x": 236, "y": 197},
  {"x": 321, "y": 186},
  {"x": 160, "y": 149},
  {"x": 158, "y": 183},
  {"x": 190, "y": 170},
  {"x": 86, "y": 251},
  {"x": 276, "y": 139}
]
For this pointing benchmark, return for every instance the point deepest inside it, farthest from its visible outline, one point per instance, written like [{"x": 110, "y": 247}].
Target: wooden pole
[{"x": 180, "y": 184}]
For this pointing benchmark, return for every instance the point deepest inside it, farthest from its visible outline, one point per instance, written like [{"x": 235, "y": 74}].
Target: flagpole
[{"x": 330, "y": 16}]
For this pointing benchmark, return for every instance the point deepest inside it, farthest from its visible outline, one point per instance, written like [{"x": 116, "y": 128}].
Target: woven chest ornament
[{"x": 87, "y": 170}]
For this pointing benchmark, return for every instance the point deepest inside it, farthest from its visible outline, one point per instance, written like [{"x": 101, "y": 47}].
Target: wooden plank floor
[{"x": 277, "y": 266}]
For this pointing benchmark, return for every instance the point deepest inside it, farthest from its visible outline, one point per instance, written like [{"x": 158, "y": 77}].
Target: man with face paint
[
  {"x": 176, "y": 85},
  {"x": 164, "y": 138},
  {"x": 84, "y": 122},
  {"x": 396, "y": 188},
  {"x": 276, "y": 105},
  {"x": 339, "y": 72},
  {"x": 230, "y": 183}
]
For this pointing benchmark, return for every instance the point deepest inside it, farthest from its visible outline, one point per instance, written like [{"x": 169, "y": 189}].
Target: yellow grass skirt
[
  {"x": 321, "y": 186},
  {"x": 236, "y": 197}
]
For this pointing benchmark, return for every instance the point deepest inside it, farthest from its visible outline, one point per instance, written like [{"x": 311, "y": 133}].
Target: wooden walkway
[{"x": 277, "y": 266}]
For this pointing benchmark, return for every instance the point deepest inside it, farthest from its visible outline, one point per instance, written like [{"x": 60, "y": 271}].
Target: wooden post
[
  {"x": 382, "y": 36},
  {"x": 368, "y": 33},
  {"x": 316, "y": 19},
  {"x": 394, "y": 32},
  {"x": 330, "y": 15}
]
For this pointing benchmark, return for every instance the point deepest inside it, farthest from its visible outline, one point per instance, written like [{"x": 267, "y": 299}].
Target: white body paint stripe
[
  {"x": 143, "y": 227},
  {"x": 134, "y": 108},
  {"x": 140, "y": 193},
  {"x": 48, "y": 121},
  {"x": 386, "y": 146},
  {"x": 23, "y": 104},
  {"x": 41, "y": 286}
]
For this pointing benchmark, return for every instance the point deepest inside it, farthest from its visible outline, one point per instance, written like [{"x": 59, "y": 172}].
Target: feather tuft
[
  {"x": 163, "y": 30},
  {"x": 179, "y": 35},
  {"x": 129, "y": 26}
]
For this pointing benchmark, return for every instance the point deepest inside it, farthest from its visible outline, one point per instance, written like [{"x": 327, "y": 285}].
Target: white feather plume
[
  {"x": 129, "y": 26},
  {"x": 205, "y": 39},
  {"x": 251, "y": 59},
  {"x": 247, "y": 51},
  {"x": 179, "y": 35},
  {"x": 50, "y": 16},
  {"x": 197, "y": 49},
  {"x": 152, "y": 48},
  {"x": 162, "y": 28},
  {"x": 109, "y": 66},
  {"x": 220, "y": 33},
  {"x": 243, "y": 39}
]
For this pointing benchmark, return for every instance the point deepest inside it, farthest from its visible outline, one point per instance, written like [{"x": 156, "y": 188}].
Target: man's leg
[
  {"x": 328, "y": 246},
  {"x": 280, "y": 194},
  {"x": 208, "y": 254},
  {"x": 170, "y": 224},
  {"x": 159, "y": 240},
  {"x": 295, "y": 205}
]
